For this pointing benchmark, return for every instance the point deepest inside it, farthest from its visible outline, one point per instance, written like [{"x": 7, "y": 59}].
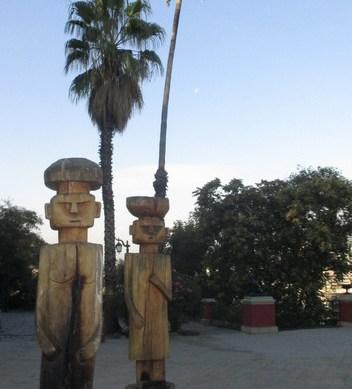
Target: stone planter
[
  {"x": 208, "y": 308},
  {"x": 345, "y": 310},
  {"x": 258, "y": 315}
]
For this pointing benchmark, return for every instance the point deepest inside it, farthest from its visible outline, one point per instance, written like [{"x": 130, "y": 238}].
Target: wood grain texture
[
  {"x": 78, "y": 170},
  {"x": 57, "y": 268},
  {"x": 90, "y": 257},
  {"x": 149, "y": 341},
  {"x": 68, "y": 313}
]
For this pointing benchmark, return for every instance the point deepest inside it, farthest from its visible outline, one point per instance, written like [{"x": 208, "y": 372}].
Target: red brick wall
[
  {"x": 346, "y": 311},
  {"x": 258, "y": 315}
]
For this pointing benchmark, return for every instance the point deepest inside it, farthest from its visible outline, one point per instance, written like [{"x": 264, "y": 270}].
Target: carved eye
[
  {"x": 151, "y": 230},
  {"x": 66, "y": 206},
  {"x": 157, "y": 229},
  {"x": 147, "y": 230}
]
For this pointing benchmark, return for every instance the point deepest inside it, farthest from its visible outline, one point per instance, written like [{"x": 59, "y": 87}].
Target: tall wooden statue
[
  {"x": 69, "y": 298},
  {"x": 147, "y": 292}
]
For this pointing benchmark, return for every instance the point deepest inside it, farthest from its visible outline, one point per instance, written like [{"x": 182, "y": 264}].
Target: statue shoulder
[{"x": 52, "y": 250}]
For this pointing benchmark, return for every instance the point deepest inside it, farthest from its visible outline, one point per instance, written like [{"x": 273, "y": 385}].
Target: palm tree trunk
[
  {"x": 106, "y": 152},
  {"x": 160, "y": 184}
]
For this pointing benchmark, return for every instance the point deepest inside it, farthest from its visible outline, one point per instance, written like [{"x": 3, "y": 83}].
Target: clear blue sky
[{"x": 259, "y": 87}]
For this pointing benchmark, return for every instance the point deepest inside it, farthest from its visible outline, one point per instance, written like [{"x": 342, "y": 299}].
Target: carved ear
[
  {"x": 97, "y": 209},
  {"x": 48, "y": 211}
]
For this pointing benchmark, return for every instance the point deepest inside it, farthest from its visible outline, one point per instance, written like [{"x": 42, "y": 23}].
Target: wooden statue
[
  {"x": 69, "y": 298},
  {"x": 147, "y": 292}
]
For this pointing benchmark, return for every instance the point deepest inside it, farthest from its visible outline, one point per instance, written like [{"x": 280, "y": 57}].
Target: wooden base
[{"x": 152, "y": 385}]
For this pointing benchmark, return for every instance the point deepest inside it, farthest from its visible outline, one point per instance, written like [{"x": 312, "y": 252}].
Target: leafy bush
[
  {"x": 311, "y": 311},
  {"x": 282, "y": 234},
  {"x": 19, "y": 255},
  {"x": 230, "y": 313},
  {"x": 185, "y": 304}
]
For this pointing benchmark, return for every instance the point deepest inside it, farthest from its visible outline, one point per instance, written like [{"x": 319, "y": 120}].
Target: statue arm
[
  {"x": 156, "y": 281},
  {"x": 49, "y": 349},
  {"x": 47, "y": 343},
  {"x": 90, "y": 257},
  {"x": 89, "y": 349},
  {"x": 134, "y": 315}
]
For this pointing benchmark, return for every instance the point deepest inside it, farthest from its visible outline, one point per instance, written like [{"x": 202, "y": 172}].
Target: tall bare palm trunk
[{"x": 160, "y": 183}]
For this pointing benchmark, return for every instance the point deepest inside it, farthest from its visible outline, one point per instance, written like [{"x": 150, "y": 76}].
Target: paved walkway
[{"x": 216, "y": 359}]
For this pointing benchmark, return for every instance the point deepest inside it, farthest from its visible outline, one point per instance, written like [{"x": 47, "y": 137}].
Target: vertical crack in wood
[{"x": 74, "y": 331}]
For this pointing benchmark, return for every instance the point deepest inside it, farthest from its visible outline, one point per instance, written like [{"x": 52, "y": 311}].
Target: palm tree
[
  {"x": 110, "y": 47},
  {"x": 160, "y": 183}
]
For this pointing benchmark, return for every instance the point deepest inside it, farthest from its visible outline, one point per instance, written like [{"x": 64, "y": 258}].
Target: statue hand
[
  {"x": 138, "y": 320},
  {"x": 48, "y": 348}
]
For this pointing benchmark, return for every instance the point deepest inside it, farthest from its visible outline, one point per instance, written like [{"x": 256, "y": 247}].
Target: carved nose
[{"x": 74, "y": 208}]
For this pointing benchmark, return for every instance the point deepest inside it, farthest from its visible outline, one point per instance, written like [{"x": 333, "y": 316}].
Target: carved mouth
[{"x": 75, "y": 221}]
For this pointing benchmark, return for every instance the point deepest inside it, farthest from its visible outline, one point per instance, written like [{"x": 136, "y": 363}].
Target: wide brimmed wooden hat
[{"x": 73, "y": 169}]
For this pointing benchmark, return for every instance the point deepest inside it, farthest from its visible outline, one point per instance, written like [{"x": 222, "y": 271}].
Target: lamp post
[{"x": 120, "y": 243}]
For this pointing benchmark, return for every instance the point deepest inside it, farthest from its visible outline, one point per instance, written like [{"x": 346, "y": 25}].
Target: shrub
[{"x": 185, "y": 304}]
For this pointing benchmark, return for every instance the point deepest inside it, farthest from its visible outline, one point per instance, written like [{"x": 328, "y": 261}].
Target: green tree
[
  {"x": 111, "y": 48},
  {"x": 187, "y": 248},
  {"x": 19, "y": 254},
  {"x": 160, "y": 183},
  {"x": 282, "y": 235}
]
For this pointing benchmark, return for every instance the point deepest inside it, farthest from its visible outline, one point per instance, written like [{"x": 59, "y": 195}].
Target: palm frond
[
  {"x": 107, "y": 31},
  {"x": 82, "y": 84},
  {"x": 84, "y": 10},
  {"x": 91, "y": 34},
  {"x": 116, "y": 5},
  {"x": 141, "y": 33},
  {"x": 137, "y": 8},
  {"x": 151, "y": 63},
  {"x": 75, "y": 27},
  {"x": 77, "y": 59},
  {"x": 76, "y": 44},
  {"x": 127, "y": 64},
  {"x": 111, "y": 105}
]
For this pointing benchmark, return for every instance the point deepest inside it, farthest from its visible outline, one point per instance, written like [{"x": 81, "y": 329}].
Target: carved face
[
  {"x": 72, "y": 210},
  {"x": 149, "y": 230}
]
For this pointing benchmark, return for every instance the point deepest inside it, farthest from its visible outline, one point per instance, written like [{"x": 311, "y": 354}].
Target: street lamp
[{"x": 121, "y": 243}]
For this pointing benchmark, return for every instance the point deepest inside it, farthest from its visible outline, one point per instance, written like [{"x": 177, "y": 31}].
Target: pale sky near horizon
[{"x": 259, "y": 87}]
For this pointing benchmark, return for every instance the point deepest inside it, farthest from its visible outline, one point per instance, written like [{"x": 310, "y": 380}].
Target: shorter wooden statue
[
  {"x": 69, "y": 297},
  {"x": 147, "y": 293}
]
